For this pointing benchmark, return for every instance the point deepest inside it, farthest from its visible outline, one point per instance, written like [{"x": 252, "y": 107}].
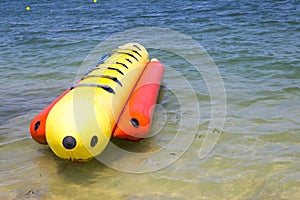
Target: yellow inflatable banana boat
[{"x": 80, "y": 124}]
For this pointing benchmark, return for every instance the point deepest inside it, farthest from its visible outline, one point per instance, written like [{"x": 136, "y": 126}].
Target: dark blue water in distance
[{"x": 256, "y": 47}]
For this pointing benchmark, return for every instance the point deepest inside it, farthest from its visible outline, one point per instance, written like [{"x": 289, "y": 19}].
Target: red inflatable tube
[
  {"x": 38, "y": 124},
  {"x": 135, "y": 120}
]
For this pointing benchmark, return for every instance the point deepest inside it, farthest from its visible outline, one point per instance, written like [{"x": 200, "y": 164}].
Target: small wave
[
  {"x": 12, "y": 141},
  {"x": 293, "y": 90}
]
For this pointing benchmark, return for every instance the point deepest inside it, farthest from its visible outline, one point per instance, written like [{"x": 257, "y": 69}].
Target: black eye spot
[
  {"x": 94, "y": 141},
  {"x": 69, "y": 142},
  {"x": 135, "y": 122},
  {"x": 37, "y": 125}
]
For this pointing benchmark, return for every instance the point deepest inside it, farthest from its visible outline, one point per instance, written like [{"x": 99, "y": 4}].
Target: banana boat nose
[{"x": 73, "y": 132}]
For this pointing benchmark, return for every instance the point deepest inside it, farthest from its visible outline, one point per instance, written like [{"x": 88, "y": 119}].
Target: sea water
[{"x": 255, "y": 47}]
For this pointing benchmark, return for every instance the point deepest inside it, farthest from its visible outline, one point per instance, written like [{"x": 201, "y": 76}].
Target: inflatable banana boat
[{"x": 79, "y": 124}]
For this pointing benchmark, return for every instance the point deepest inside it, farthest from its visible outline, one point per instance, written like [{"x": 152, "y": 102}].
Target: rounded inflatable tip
[
  {"x": 69, "y": 142},
  {"x": 154, "y": 60}
]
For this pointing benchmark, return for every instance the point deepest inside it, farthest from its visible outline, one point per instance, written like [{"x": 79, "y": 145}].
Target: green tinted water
[{"x": 255, "y": 46}]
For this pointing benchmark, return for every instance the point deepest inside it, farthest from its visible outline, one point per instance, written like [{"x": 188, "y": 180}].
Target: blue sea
[{"x": 228, "y": 108}]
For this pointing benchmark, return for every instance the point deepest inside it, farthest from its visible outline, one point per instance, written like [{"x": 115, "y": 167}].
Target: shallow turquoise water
[{"x": 255, "y": 46}]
